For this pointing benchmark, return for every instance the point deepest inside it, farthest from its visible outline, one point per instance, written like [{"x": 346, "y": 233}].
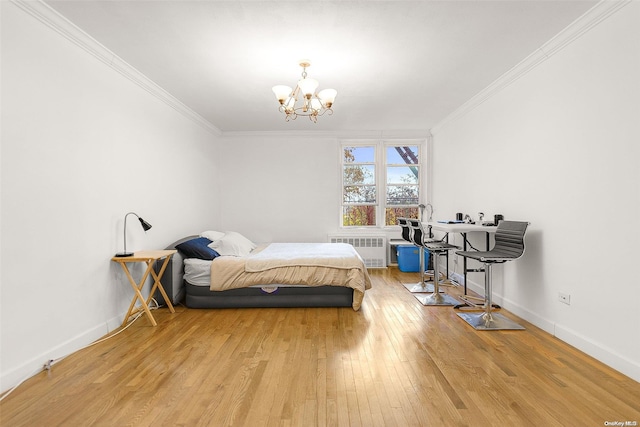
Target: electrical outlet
[{"x": 564, "y": 298}]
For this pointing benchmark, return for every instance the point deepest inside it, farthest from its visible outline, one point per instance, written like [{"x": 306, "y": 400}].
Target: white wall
[
  {"x": 559, "y": 147},
  {"x": 287, "y": 187},
  {"x": 82, "y": 146},
  {"x": 291, "y": 192}
]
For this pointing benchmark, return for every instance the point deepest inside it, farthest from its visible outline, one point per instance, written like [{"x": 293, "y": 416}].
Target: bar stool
[
  {"x": 408, "y": 235},
  {"x": 436, "y": 248},
  {"x": 509, "y": 246}
]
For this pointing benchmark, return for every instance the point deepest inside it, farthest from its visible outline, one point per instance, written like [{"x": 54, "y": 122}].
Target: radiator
[{"x": 372, "y": 249}]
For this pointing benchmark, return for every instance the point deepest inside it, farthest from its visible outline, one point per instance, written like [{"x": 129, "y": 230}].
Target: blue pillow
[{"x": 197, "y": 248}]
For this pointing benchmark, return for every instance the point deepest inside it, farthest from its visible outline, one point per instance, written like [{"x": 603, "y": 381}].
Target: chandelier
[{"x": 311, "y": 104}]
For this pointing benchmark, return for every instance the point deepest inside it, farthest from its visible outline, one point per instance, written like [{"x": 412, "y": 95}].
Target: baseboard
[
  {"x": 459, "y": 278},
  {"x": 605, "y": 355},
  {"x": 531, "y": 317},
  {"x": 36, "y": 364},
  {"x": 596, "y": 350}
]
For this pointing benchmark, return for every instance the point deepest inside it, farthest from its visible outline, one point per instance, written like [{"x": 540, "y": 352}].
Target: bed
[{"x": 226, "y": 270}]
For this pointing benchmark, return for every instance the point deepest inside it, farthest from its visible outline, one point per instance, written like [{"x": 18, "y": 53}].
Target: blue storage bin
[{"x": 409, "y": 259}]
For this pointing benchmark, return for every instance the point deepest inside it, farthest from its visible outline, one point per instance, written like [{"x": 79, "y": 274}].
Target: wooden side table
[{"x": 148, "y": 257}]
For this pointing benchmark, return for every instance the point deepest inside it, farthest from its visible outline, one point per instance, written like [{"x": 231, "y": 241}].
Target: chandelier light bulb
[
  {"x": 282, "y": 92},
  {"x": 308, "y": 87},
  {"x": 327, "y": 97}
]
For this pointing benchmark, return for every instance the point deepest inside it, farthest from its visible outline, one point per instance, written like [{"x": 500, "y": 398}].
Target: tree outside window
[
  {"x": 364, "y": 198},
  {"x": 359, "y": 194}
]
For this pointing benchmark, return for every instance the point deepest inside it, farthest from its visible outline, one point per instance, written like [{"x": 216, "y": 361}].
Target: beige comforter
[{"x": 306, "y": 264}]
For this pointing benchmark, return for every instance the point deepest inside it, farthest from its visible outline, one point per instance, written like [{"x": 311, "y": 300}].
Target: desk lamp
[{"x": 145, "y": 226}]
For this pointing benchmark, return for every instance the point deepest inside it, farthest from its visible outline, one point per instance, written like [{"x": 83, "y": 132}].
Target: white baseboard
[
  {"x": 531, "y": 317},
  {"x": 36, "y": 364},
  {"x": 604, "y": 354},
  {"x": 596, "y": 350},
  {"x": 459, "y": 278}
]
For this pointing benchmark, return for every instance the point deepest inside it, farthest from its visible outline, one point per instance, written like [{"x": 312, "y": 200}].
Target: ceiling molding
[
  {"x": 370, "y": 134},
  {"x": 576, "y": 29},
  {"x": 45, "y": 14}
]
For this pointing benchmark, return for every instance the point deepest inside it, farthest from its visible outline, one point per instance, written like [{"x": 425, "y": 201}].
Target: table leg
[
  {"x": 158, "y": 285},
  {"x": 446, "y": 255},
  {"x": 137, "y": 288},
  {"x": 464, "y": 262}
]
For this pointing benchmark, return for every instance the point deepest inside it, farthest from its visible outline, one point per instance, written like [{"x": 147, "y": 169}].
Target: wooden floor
[{"x": 393, "y": 363}]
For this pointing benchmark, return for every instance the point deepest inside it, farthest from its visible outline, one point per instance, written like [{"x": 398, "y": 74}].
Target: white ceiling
[{"x": 397, "y": 65}]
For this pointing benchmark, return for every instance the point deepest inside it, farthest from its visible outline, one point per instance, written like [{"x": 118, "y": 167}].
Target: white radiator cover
[{"x": 372, "y": 249}]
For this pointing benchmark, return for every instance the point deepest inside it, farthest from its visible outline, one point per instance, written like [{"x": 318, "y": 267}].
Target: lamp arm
[{"x": 125, "y": 228}]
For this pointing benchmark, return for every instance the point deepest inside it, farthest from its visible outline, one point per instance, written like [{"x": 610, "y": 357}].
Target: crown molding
[
  {"x": 575, "y": 30},
  {"x": 365, "y": 134},
  {"x": 45, "y": 14},
  {"x": 48, "y": 16}
]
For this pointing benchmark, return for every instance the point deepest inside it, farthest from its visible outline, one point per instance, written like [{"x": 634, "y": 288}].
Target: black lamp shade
[{"x": 145, "y": 226}]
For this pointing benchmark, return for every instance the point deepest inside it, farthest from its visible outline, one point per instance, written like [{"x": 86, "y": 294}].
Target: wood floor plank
[{"x": 393, "y": 363}]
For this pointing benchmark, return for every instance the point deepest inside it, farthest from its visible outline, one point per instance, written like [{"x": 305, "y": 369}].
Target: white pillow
[
  {"x": 212, "y": 235},
  {"x": 234, "y": 244}
]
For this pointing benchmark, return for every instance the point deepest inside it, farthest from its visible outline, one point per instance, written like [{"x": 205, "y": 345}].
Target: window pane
[
  {"x": 402, "y": 174},
  {"x": 359, "y": 154},
  {"x": 402, "y": 194},
  {"x": 359, "y": 174},
  {"x": 402, "y": 155},
  {"x": 359, "y": 194},
  {"x": 392, "y": 214},
  {"x": 358, "y": 215}
]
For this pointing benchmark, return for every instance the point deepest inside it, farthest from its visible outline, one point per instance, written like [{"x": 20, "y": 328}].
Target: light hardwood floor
[{"x": 393, "y": 363}]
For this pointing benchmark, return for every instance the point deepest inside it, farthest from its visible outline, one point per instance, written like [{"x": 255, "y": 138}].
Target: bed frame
[{"x": 182, "y": 292}]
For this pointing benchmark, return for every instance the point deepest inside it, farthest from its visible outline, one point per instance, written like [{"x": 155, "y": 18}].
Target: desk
[
  {"x": 148, "y": 257},
  {"x": 463, "y": 229}
]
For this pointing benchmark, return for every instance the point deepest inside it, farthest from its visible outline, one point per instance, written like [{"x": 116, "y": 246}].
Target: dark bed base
[{"x": 323, "y": 296}]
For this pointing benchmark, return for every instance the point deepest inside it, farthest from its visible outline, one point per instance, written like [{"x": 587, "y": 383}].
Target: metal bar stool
[
  {"x": 436, "y": 248},
  {"x": 408, "y": 235},
  {"x": 509, "y": 246}
]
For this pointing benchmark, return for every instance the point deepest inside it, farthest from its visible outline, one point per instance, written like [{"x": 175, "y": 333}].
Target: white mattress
[{"x": 197, "y": 272}]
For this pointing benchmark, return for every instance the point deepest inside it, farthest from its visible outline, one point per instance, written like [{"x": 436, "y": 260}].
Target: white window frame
[{"x": 381, "y": 147}]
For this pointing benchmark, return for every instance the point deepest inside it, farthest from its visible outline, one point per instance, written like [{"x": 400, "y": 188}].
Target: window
[
  {"x": 402, "y": 183},
  {"x": 380, "y": 182},
  {"x": 359, "y": 186}
]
